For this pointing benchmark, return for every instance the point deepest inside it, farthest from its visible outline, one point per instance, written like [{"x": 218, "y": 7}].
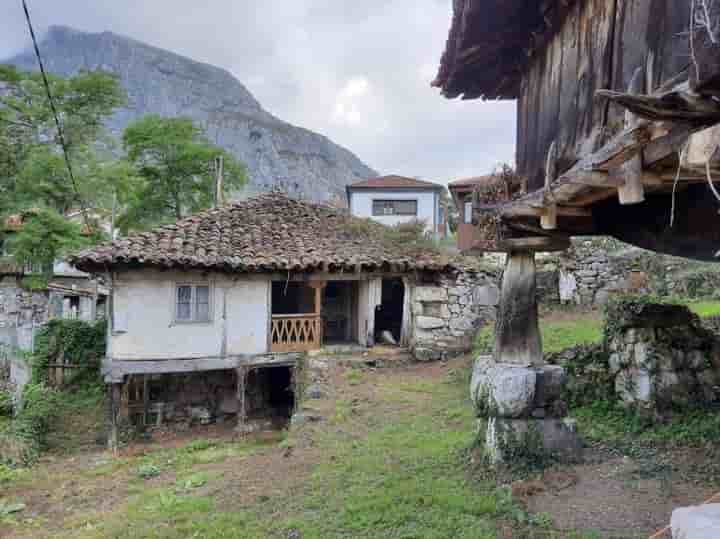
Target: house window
[
  {"x": 192, "y": 303},
  {"x": 468, "y": 213},
  {"x": 394, "y": 207}
]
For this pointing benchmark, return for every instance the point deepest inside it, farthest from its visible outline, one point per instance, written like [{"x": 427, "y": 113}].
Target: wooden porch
[{"x": 299, "y": 332}]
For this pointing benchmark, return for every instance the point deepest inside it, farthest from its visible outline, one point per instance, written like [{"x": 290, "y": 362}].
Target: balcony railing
[{"x": 295, "y": 333}]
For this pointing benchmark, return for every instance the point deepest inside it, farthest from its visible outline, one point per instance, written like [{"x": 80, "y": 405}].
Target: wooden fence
[{"x": 295, "y": 333}]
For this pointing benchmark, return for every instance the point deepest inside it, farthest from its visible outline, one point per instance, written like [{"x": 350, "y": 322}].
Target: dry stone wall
[
  {"x": 662, "y": 358},
  {"x": 447, "y": 314}
]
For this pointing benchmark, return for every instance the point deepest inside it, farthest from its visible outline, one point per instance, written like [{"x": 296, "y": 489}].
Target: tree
[
  {"x": 176, "y": 164},
  {"x": 43, "y": 238},
  {"x": 34, "y": 177},
  {"x": 33, "y": 171}
]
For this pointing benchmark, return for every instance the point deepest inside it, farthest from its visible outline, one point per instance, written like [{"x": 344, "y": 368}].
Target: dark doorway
[
  {"x": 269, "y": 394},
  {"x": 292, "y": 298},
  {"x": 339, "y": 305},
  {"x": 389, "y": 314}
]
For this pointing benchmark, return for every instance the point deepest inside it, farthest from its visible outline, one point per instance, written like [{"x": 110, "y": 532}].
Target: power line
[{"x": 61, "y": 136}]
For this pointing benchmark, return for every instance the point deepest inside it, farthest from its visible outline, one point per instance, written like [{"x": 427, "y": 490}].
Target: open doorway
[
  {"x": 339, "y": 308},
  {"x": 389, "y": 314},
  {"x": 269, "y": 395}
]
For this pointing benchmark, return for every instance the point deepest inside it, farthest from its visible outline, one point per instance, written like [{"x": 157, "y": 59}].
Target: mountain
[{"x": 276, "y": 153}]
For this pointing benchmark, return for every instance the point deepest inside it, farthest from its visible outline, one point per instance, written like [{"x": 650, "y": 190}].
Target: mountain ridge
[{"x": 277, "y": 154}]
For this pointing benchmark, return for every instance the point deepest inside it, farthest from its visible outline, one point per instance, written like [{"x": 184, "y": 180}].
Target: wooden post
[
  {"x": 548, "y": 220},
  {"x": 218, "y": 181},
  {"x": 632, "y": 191},
  {"x": 517, "y": 334},
  {"x": 241, "y": 374},
  {"x": 115, "y": 398}
]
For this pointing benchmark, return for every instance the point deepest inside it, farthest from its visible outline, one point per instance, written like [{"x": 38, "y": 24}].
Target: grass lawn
[
  {"x": 391, "y": 462},
  {"x": 565, "y": 328}
]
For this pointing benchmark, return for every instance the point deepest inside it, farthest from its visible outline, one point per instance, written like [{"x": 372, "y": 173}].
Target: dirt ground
[{"x": 618, "y": 496}]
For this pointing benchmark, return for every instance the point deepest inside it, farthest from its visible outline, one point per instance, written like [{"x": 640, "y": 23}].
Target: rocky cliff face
[{"x": 157, "y": 81}]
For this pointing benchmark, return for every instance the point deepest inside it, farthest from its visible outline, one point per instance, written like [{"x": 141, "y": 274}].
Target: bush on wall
[{"x": 69, "y": 341}]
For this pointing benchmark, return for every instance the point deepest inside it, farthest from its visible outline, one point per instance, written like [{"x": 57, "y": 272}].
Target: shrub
[
  {"x": 22, "y": 442},
  {"x": 80, "y": 342},
  {"x": 6, "y": 402}
]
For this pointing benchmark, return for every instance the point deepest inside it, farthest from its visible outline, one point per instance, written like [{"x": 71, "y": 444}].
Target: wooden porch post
[
  {"x": 517, "y": 334},
  {"x": 241, "y": 374},
  {"x": 115, "y": 391}
]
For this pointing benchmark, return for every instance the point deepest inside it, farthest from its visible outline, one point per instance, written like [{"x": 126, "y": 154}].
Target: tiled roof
[
  {"x": 270, "y": 232},
  {"x": 394, "y": 182},
  {"x": 470, "y": 182}
]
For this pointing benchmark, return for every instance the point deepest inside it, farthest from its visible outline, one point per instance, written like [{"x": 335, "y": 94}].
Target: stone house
[
  {"x": 391, "y": 200},
  {"x": 210, "y": 317}
]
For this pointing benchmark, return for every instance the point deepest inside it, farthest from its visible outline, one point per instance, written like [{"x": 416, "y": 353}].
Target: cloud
[{"x": 358, "y": 72}]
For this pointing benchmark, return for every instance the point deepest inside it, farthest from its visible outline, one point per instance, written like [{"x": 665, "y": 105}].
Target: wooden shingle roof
[{"x": 270, "y": 232}]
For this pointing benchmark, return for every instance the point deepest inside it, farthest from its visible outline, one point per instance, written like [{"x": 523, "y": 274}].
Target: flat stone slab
[{"x": 698, "y": 522}]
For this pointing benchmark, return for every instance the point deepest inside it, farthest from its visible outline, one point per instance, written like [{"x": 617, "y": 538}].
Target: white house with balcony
[{"x": 392, "y": 200}]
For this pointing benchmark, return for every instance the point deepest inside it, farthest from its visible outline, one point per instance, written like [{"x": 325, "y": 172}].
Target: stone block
[
  {"x": 699, "y": 522},
  {"x": 697, "y": 360},
  {"x": 550, "y": 382},
  {"x": 426, "y": 353},
  {"x": 463, "y": 324},
  {"x": 508, "y": 440},
  {"x": 429, "y": 322},
  {"x": 314, "y": 391},
  {"x": 502, "y": 389},
  {"x": 633, "y": 386},
  {"x": 430, "y": 293},
  {"x": 487, "y": 296}
]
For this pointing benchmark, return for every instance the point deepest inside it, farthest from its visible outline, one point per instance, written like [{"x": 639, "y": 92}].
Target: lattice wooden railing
[{"x": 295, "y": 333}]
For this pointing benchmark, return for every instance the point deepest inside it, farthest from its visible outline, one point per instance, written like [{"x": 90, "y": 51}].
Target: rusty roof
[
  {"x": 490, "y": 42},
  {"x": 270, "y": 232},
  {"x": 394, "y": 182}
]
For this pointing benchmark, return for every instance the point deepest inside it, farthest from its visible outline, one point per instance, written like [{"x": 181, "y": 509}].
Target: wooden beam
[
  {"x": 548, "y": 219},
  {"x": 632, "y": 190},
  {"x": 534, "y": 244},
  {"x": 538, "y": 210}
]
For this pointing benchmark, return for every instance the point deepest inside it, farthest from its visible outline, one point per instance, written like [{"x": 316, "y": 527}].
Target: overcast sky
[{"x": 358, "y": 71}]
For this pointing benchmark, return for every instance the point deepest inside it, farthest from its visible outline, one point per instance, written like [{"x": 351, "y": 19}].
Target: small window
[
  {"x": 468, "y": 213},
  {"x": 192, "y": 303},
  {"x": 395, "y": 207}
]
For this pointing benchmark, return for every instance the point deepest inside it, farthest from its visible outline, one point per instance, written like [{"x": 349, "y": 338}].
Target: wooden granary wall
[{"x": 599, "y": 45}]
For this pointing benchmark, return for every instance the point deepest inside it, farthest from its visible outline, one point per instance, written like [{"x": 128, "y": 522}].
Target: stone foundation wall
[
  {"x": 20, "y": 312},
  {"x": 661, "y": 366},
  {"x": 592, "y": 270},
  {"x": 446, "y": 315},
  {"x": 197, "y": 398}
]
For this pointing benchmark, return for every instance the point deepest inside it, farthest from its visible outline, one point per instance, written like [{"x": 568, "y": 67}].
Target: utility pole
[{"x": 218, "y": 180}]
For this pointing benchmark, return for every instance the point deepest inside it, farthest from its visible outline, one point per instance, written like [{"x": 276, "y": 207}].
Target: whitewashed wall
[
  {"x": 144, "y": 308},
  {"x": 361, "y": 202}
]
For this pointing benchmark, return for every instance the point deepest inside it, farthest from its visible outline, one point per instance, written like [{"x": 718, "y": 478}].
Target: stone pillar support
[{"x": 517, "y": 334}]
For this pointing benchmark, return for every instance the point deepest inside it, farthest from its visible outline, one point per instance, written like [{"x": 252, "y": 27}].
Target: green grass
[
  {"x": 609, "y": 423},
  {"x": 557, "y": 335},
  {"x": 385, "y": 474},
  {"x": 582, "y": 328},
  {"x": 705, "y": 309}
]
